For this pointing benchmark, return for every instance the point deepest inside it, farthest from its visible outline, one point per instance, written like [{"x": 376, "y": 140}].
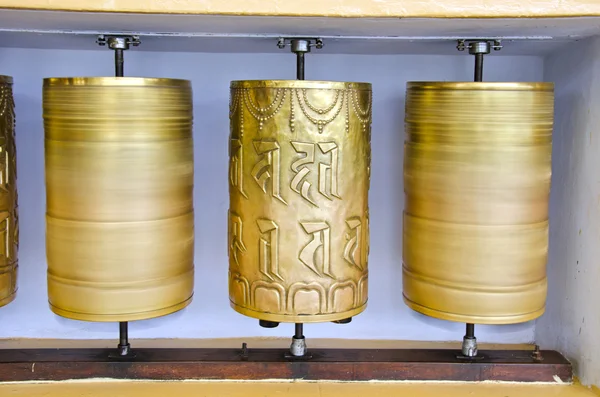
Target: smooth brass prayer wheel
[
  {"x": 119, "y": 180},
  {"x": 299, "y": 170},
  {"x": 477, "y": 171},
  {"x": 9, "y": 218}
]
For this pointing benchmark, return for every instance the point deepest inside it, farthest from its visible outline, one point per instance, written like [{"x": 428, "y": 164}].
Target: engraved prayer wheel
[
  {"x": 119, "y": 181},
  {"x": 9, "y": 218},
  {"x": 477, "y": 171},
  {"x": 299, "y": 174}
]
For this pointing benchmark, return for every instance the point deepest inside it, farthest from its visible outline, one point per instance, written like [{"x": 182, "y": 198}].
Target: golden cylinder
[
  {"x": 477, "y": 181},
  {"x": 299, "y": 168},
  {"x": 9, "y": 217},
  {"x": 119, "y": 183}
]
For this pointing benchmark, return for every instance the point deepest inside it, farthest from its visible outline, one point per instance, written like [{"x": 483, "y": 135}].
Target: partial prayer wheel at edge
[
  {"x": 299, "y": 168},
  {"x": 119, "y": 180},
  {"x": 477, "y": 172},
  {"x": 9, "y": 219}
]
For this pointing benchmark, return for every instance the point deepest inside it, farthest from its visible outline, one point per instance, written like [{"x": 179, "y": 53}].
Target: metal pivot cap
[
  {"x": 469, "y": 347},
  {"x": 475, "y": 47},
  {"x": 480, "y": 47},
  {"x": 118, "y": 42},
  {"x": 298, "y": 347},
  {"x": 300, "y": 45},
  {"x": 483, "y": 46}
]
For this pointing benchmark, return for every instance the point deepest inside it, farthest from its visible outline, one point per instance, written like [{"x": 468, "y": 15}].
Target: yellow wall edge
[{"x": 329, "y": 8}]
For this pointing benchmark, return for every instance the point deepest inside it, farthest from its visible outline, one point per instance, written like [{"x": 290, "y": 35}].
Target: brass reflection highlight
[
  {"x": 9, "y": 218},
  {"x": 299, "y": 168},
  {"x": 477, "y": 180},
  {"x": 119, "y": 180}
]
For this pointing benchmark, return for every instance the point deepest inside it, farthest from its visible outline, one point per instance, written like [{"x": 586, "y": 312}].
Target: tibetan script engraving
[
  {"x": 327, "y": 173},
  {"x": 268, "y": 249},
  {"x": 321, "y": 238},
  {"x": 268, "y": 167},
  {"x": 236, "y": 245},
  {"x": 353, "y": 249},
  {"x": 298, "y": 185},
  {"x": 303, "y": 199},
  {"x": 236, "y": 176},
  {"x": 5, "y": 170},
  {"x": 6, "y": 239}
]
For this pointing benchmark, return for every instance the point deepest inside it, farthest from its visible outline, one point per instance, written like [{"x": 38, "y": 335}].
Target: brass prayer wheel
[
  {"x": 299, "y": 169},
  {"x": 119, "y": 181},
  {"x": 477, "y": 171},
  {"x": 9, "y": 219}
]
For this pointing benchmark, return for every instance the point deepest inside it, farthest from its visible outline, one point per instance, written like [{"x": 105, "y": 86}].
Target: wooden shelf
[
  {"x": 336, "y": 8},
  {"x": 239, "y": 34}
]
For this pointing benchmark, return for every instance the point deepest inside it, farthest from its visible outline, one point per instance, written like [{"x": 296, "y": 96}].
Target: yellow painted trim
[
  {"x": 108, "y": 388},
  {"x": 329, "y": 8}
]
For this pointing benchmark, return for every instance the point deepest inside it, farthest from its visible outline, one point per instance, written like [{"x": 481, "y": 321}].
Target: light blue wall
[{"x": 572, "y": 320}]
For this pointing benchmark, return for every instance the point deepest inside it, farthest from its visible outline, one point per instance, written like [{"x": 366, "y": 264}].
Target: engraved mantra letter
[
  {"x": 353, "y": 249},
  {"x": 268, "y": 257},
  {"x": 268, "y": 167},
  {"x": 5, "y": 233},
  {"x": 4, "y": 170},
  {"x": 327, "y": 173},
  {"x": 320, "y": 239},
  {"x": 235, "y": 167},
  {"x": 308, "y": 149},
  {"x": 236, "y": 245}
]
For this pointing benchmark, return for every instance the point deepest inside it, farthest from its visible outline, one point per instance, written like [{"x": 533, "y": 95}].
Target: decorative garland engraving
[
  {"x": 320, "y": 123},
  {"x": 259, "y": 113}
]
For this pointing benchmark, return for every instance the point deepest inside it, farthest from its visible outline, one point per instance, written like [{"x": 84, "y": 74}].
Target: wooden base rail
[{"x": 260, "y": 364}]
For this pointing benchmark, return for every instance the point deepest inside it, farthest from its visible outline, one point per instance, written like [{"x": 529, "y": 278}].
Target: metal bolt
[{"x": 537, "y": 354}]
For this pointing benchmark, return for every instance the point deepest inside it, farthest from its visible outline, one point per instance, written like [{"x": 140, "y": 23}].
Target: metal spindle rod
[
  {"x": 470, "y": 331},
  {"x": 479, "y": 67},
  {"x": 124, "y": 347},
  {"x": 479, "y": 49},
  {"x": 123, "y": 326},
  {"x": 299, "y": 331},
  {"x": 300, "y": 66},
  {"x": 119, "y": 62},
  {"x": 299, "y": 76},
  {"x": 123, "y": 333}
]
